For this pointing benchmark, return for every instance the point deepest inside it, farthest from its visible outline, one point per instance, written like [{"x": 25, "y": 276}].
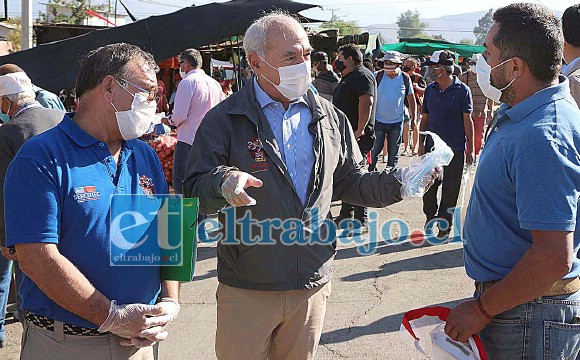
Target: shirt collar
[
  {"x": 264, "y": 99},
  {"x": 195, "y": 71},
  {"x": 527, "y": 106},
  {"x": 571, "y": 66},
  {"x": 73, "y": 131}
]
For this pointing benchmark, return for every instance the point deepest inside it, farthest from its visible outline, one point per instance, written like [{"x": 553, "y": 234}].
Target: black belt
[{"x": 48, "y": 324}]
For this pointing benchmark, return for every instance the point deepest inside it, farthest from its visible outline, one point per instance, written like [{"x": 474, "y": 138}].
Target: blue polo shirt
[
  {"x": 528, "y": 178},
  {"x": 58, "y": 190},
  {"x": 446, "y": 109}
]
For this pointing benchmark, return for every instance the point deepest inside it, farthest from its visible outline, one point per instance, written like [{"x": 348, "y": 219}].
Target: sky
[{"x": 366, "y": 12}]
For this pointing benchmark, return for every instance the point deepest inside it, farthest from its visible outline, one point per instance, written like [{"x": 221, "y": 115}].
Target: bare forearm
[
  {"x": 71, "y": 290},
  {"x": 423, "y": 128},
  {"x": 365, "y": 105},
  {"x": 468, "y": 124},
  {"x": 530, "y": 278},
  {"x": 542, "y": 265},
  {"x": 170, "y": 289}
]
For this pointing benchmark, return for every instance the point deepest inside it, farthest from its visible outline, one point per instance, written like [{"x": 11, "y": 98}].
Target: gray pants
[
  {"x": 39, "y": 343},
  {"x": 180, "y": 157}
]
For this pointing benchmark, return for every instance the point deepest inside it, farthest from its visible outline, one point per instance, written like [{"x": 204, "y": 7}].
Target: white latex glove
[
  {"x": 234, "y": 185},
  {"x": 128, "y": 320},
  {"x": 155, "y": 331}
]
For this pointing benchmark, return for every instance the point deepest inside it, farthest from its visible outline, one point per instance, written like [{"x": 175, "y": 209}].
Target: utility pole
[
  {"x": 333, "y": 17},
  {"x": 26, "y": 25}
]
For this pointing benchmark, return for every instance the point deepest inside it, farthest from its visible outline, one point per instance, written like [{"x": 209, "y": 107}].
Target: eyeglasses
[{"x": 152, "y": 93}]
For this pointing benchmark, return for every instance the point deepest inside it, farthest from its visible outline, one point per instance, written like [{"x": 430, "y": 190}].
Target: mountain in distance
[{"x": 454, "y": 28}]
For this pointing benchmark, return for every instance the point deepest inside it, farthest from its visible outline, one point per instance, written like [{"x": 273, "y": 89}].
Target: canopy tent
[
  {"x": 54, "y": 66},
  {"x": 427, "y": 47}
]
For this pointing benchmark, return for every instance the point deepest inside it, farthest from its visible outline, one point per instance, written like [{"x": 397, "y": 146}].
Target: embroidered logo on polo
[
  {"x": 146, "y": 184},
  {"x": 257, "y": 150},
  {"x": 86, "y": 193}
]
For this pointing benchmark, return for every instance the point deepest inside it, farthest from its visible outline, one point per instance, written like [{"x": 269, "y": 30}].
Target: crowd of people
[{"x": 314, "y": 128}]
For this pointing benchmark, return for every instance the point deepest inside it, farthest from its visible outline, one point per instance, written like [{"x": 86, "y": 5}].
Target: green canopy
[{"x": 427, "y": 47}]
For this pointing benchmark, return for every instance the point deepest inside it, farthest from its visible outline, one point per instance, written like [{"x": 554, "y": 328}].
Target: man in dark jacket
[{"x": 277, "y": 153}]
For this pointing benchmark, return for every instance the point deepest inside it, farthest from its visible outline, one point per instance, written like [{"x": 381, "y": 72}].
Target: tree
[
  {"x": 14, "y": 36},
  {"x": 483, "y": 25},
  {"x": 78, "y": 10},
  {"x": 344, "y": 27},
  {"x": 439, "y": 37},
  {"x": 410, "y": 24},
  {"x": 466, "y": 41}
]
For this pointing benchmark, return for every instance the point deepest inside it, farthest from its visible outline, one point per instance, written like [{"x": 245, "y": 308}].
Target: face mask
[
  {"x": 294, "y": 79},
  {"x": 390, "y": 68},
  {"x": 483, "y": 71},
  {"x": 340, "y": 65},
  {"x": 406, "y": 68},
  {"x": 139, "y": 120}
]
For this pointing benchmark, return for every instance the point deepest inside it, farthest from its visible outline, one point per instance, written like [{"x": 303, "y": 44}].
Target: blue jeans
[
  {"x": 545, "y": 328},
  {"x": 393, "y": 133},
  {"x": 5, "y": 278}
]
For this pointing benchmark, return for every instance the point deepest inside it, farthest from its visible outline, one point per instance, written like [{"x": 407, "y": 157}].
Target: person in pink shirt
[{"x": 196, "y": 95}]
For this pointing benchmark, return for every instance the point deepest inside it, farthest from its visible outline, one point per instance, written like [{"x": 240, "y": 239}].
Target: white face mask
[
  {"x": 294, "y": 79},
  {"x": 140, "y": 119},
  {"x": 483, "y": 71}
]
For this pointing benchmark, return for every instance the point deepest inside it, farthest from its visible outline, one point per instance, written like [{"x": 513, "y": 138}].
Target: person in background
[
  {"x": 521, "y": 233},
  {"x": 393, "y": 88},
  {"x": 161, "y": 97},
  {"x": 23, "y": 118},
  {"x": 571, "y": 29},
  {"x": 482, "y": 106},
  {"x": 47, "y": 99},
  {"x": 326, "y": 80},
  {"x": 172, "y": 97},
  {"x": 355, "y": 95},
  {"x": 447, "y": 108},
  {"x": 411, "y": 66},
  {"x": 196, "y": 95}
]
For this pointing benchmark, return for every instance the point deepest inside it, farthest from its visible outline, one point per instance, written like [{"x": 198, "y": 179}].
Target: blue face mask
[{"x": 4, "y": 118}]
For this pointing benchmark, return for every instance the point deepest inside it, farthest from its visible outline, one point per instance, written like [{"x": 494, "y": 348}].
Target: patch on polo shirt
[
  {"x": 146, "y": 184},
  {"x": 86, "y": 193}
]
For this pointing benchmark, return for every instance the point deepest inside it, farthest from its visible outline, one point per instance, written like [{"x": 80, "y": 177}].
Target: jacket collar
[{"x": 247, "y": 104}]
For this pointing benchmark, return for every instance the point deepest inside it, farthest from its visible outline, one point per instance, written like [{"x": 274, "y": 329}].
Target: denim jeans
[
  {"x": 393, "y": 133},
  {"x": 5, "y": 278},
  {"x": 545, "y": 328}
]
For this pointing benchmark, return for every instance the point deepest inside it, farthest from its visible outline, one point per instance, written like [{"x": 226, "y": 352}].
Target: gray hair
[
  {"x": 255, "y": 38},
  {"x": 193, "y": 57},
  {"x": 21, "y": 98}
]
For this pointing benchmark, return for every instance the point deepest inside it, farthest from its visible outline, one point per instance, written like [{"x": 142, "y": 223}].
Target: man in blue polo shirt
[
  {"x": 58, "y": 202},
  {"x": 447, "y": 107},
  {"x": 521, "y": 230}
]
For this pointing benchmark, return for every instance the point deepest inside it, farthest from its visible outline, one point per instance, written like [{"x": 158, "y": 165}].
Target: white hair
[
  {"x": 22, "y": 98},
  {"x": 256, "y": 37}
]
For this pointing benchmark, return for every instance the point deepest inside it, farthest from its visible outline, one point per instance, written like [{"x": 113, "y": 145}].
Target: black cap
[
  {"x": 319, "y": 56},
  {"x": 441, "y": 57}
]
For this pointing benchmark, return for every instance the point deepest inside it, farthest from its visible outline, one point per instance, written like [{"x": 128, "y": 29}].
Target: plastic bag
[
  {"x": 424, "y": 330},
  {"x": 417, "y": 176}
]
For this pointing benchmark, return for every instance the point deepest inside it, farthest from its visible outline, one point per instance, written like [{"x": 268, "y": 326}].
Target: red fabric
[{"x": 442, "y": 313}]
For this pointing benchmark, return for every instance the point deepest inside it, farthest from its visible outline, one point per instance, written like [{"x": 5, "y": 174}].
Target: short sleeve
[
  {"x": 426, "y": 97},
  {"x": 547, "y": 184},
  {"x": 31, "y": 203},
  {"x": 365, "y": 86},
  {"x": 409, "y": 85},
  {"x": 467, "y": 103}
]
